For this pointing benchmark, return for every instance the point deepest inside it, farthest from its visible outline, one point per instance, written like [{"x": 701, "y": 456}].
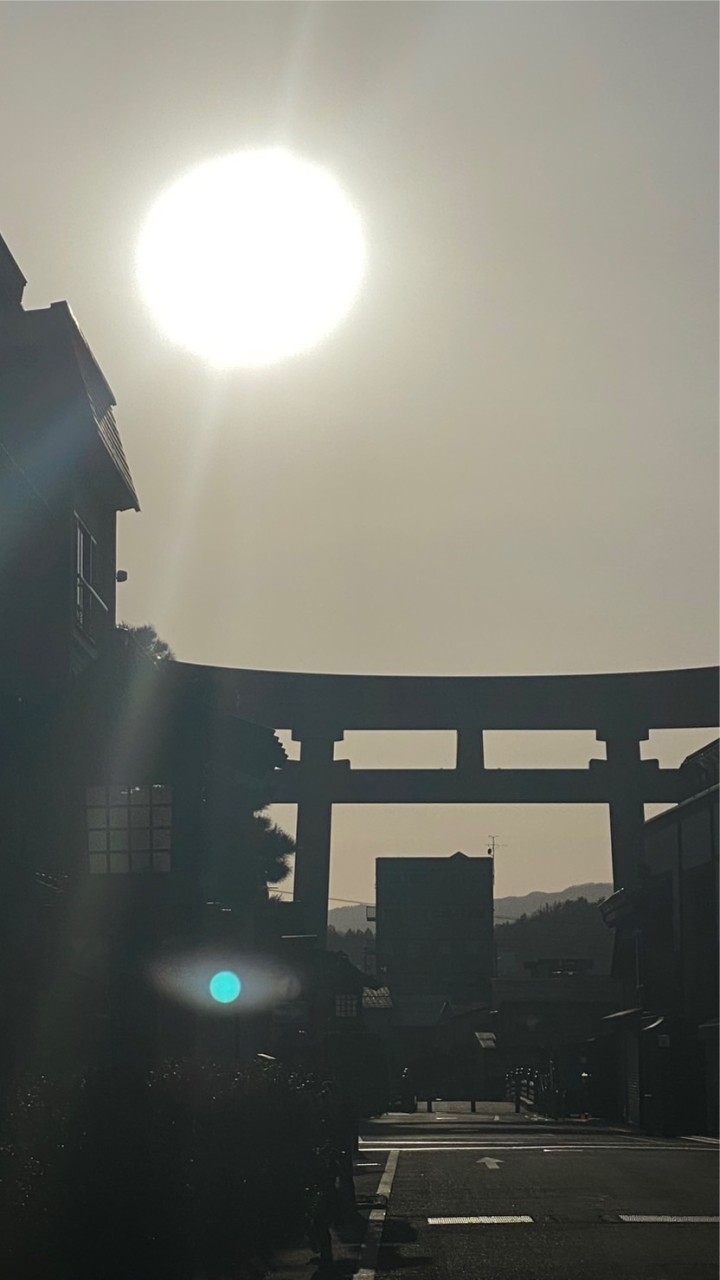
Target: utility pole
[{"x": 493, "y": 845}]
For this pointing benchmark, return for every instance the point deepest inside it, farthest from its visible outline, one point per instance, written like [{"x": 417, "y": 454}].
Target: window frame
[
  {"x": 347, "y": 1005},
  {"x": 122, "y": 835},
  {"x": 88, "y": 601}
]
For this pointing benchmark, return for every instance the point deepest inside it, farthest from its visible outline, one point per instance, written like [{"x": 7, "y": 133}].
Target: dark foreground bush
[{"x": 191, "y": 1170}]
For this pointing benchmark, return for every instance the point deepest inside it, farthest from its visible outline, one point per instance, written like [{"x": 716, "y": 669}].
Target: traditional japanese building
[{"x": 122, "y": 779}]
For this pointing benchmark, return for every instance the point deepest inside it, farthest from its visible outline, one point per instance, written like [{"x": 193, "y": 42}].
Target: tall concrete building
[{"x": 435, "y": 929}]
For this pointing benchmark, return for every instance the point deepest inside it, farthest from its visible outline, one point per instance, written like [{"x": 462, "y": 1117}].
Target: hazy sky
[{"x": 505, "y": 459}]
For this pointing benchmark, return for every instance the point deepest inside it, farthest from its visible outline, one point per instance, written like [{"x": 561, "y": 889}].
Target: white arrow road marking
[{"x": 490, "y": 1164}]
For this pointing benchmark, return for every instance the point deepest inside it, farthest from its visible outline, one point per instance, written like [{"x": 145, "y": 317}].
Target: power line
[{"x": 353, "y": 902}]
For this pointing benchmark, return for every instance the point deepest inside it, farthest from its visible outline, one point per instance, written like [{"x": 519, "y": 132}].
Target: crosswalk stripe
[
  {"x": 503, "y": 1220},
  {"x": 492, "y": 1220},
  {"x": 665, "y": 1217}
]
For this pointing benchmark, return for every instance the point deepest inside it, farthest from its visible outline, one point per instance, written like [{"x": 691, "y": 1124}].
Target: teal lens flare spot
[{"x": 225, "y": 987}]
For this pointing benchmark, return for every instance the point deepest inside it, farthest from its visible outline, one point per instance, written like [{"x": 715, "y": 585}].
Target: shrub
[{"x": 184, "y": 1170}]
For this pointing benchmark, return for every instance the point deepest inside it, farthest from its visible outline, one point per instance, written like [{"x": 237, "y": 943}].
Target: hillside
[
  {"x": 356, "y": 943},
  {"x": 573, "y": 929},
  {"x": 344, "y": 918}
]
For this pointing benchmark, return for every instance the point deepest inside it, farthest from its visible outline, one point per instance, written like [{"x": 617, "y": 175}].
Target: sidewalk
[
  {"x": 456, "y": 1117},
  {"x": 296, "y": 1263}
]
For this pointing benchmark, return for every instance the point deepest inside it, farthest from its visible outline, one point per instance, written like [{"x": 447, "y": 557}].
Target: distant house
[
  {"x": 330, "y": 989},
  {"x": 326, "y": 1025},
  {"x": 544, "y": 1019}
]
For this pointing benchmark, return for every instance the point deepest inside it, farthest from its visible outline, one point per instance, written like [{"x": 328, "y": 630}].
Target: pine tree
[{"x": 256, "y": 852}]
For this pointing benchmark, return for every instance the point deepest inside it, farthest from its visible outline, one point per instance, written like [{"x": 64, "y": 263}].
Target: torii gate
[{"x": 621, "y": 709}]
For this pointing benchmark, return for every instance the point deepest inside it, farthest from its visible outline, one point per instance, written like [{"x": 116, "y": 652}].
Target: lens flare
[
  {"x": 225, "y": 987},
  {"x": 212, "y": 979}
]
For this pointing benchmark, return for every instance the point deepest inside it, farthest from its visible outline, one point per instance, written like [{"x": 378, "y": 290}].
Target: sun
[{"x": 251, "y": 258}]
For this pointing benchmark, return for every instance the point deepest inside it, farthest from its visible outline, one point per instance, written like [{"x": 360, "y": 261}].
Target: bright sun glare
[{"x": 251, "y": 258}]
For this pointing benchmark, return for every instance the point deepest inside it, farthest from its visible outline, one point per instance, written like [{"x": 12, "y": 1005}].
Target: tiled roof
[
  {"x": 53, "y": 323},
  {"x": 110, "y": 436},
  {"x": 101, "y": 401},
  {"x": 380, "y": 999}
]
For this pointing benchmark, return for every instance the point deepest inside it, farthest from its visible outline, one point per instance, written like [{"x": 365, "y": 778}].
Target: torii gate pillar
[
  {"x": 627, "y": 811},
  {"x": 314, "y": 830}
]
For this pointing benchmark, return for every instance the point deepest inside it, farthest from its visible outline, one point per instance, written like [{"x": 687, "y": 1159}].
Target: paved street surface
[
  {"x": 494, "y": 1196},
  {"x": 555, "y": 1201}
]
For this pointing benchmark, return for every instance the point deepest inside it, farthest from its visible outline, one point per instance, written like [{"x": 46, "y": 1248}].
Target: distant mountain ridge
[
  {"x": 513, "y": 908},
  {"x": 344, "y": 918}
]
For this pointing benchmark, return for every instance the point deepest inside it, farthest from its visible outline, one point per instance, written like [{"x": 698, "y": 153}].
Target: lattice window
[
  {"x": 346, "y": 1006},
  {"x": 129, "y": 829}
]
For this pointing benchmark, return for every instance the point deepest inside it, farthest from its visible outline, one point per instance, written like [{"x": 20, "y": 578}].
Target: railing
[
  {"x": 534, "y": 1088},
  {"x": 90, "y": 609}
]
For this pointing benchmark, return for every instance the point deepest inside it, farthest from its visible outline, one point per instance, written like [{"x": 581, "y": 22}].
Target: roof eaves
[{"x": 101, "y": 401}]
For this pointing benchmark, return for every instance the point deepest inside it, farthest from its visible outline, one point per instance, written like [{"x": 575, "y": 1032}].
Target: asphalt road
[{"x": 575, "y": 1185}]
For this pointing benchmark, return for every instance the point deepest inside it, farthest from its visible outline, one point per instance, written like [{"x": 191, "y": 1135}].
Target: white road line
[
  {"x": 450, "y": 1145},
  {"x": 632, "y": 1134},
  {"x": 376, "y": 1222},
  {"x": 493, "y": 1221},
  {"x": 603, "y": 1146},
  {"x": 664, "y": 1217},
  {"x": 697, "y": 1137}
]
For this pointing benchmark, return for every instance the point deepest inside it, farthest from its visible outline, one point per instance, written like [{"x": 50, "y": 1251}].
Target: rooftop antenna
[{"x": 494, "y": 845}]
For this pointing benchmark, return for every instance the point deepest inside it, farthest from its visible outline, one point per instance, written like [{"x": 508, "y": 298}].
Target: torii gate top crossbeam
[
  {"x": 625, "y": 702},
  {"x": 621, "y": 709}
]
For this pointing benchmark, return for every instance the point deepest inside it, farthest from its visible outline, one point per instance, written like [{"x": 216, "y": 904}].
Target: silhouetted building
[
  {"x": 434, "y": 941},
  {"x": 657, "y": 1066},
  {"x": 435, "y": 929},
  {"x": 121, "y": 778},
  {"x": 543, "y": 1020},
  {"x": 63, "y": 479}
]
